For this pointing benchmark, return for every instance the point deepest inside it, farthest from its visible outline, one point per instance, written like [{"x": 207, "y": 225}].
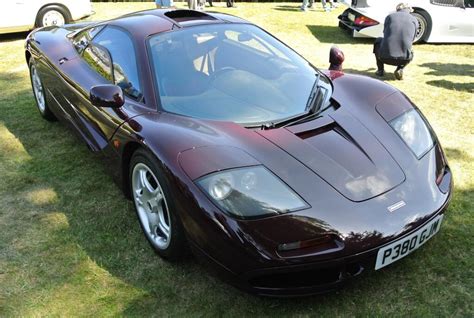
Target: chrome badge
[{"x": 396, "y": 206}]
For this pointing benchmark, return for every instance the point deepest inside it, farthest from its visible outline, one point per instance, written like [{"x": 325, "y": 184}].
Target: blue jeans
[
  {"x": 305, "y": 3},
  {"x": 324, "y": 3}
]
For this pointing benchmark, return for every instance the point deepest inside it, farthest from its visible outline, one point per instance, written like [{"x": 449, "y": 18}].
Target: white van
[
  {"x": 441, "y": 21},
  {"x": 24, "y": 15}
]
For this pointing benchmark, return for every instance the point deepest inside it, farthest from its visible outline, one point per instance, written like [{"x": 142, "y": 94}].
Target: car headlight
[
  {"x": 411, "y": 127},
  {"x": 250, "y": 192}
]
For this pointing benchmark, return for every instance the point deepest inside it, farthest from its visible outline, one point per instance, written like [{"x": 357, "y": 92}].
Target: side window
[
  {"x": 124, "y": 63},
  {"x": 83, "y": 38},
  {"x": 99, "y": 60}
]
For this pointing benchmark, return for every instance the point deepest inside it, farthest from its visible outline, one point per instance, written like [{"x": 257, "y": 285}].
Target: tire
[
  {"x": 155, "y": 207},
  {"x": 39, "y": 92},
  {"x": 424, "y": 28},
  {"x": 53, "y": 15}
]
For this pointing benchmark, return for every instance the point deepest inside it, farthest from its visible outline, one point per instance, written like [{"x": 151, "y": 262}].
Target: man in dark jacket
[{"x": 395, "y": 48}]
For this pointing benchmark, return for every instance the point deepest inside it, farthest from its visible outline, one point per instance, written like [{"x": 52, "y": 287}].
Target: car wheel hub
[
  {"x": 53, "y": 17},
  {"x": 151, "y": 206},
  {"x": 421, "y": 29},
  {"x": 38, "y": 89}
]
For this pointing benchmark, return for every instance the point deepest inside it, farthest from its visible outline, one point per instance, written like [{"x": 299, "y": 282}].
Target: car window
[
  {"x": 83, "y": 38},
  {"x": 99, "y": 60},
  {"x": 124, "y": 65},
  {"x": 230, "y": 72}
]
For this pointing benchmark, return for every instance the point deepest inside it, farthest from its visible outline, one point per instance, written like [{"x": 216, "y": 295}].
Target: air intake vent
[{"x": 188, "y": 15}]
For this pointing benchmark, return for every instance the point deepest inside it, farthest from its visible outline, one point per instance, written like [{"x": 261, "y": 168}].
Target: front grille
[{"x": 307, "y": 278}]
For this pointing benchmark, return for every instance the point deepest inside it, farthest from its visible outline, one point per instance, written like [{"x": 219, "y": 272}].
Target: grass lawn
[{"x": 70, "y": 244}]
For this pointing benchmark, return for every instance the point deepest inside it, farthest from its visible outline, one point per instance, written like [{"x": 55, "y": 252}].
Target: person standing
[
  {"x": 193, "y": 4},
  {"x": 230, "y": 4},
  {"x": 395, "y": 48},
  {"x": 164, "y": 4},
  {"x": 305, "y": 5},
  {"x": 326, "y": 8}
]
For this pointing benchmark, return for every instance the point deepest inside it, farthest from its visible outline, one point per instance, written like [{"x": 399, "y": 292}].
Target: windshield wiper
[{"x": 310, "y": 110}]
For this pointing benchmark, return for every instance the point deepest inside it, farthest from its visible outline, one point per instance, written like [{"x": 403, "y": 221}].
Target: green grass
[{"x": 70, "y": 244}]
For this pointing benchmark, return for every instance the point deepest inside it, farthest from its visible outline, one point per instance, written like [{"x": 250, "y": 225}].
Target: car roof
[{"x": 145, "y": 23}]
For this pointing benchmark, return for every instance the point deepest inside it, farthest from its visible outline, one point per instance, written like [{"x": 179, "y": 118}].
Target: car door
[
  {"x": 466, "y": 22},
  {"x": 18, "y": 15},
  {"x": 452, "y": 20},
  {"x": 108, "y": 59}
]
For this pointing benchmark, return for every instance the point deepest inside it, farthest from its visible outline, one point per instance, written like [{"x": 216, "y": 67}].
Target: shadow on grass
[
  {"x": 370, "y": 72},
  {"x": 334, "y": 34},
  {"x": 294, "y": 8},
  {"x": 10, "y": 37},
  {"x": 461, "y": 87},
  {"x": 456, "y": 154},
  {"x": 444, "y": 69}
]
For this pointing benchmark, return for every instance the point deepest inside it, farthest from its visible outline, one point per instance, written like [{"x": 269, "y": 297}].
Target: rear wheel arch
[
  {"x": 429, "y": 23},
  {"x": 127, "y": 154}
]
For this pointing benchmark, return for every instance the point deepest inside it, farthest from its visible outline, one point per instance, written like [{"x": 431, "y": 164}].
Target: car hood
[{"x": 343, "y": 152}]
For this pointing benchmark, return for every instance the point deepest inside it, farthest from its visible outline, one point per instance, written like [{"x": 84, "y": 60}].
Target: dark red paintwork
[{"x": 349, "y": 166}]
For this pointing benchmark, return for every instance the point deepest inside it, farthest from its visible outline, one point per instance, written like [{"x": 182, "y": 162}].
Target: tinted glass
[
  {"x": 230, "y": 72},
  {"x": 122, "y": 51},
  {"x": 99, "y": 59}
]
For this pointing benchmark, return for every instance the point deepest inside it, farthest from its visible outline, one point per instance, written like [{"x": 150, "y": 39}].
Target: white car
[
  {"x": 440, "y": 21},
  {"x": 24, "y": 15}
]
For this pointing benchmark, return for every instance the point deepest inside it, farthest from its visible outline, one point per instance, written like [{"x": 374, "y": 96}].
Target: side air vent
[
  {"x": 317, "y": 131},
  {"x": 181, "y": 16}
]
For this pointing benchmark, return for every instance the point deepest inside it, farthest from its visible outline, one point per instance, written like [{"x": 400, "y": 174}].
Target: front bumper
[{"x": 304, "y": 279}]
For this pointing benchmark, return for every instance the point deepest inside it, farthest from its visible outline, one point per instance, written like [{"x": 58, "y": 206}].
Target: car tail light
[{"x": 365, "y": 21}]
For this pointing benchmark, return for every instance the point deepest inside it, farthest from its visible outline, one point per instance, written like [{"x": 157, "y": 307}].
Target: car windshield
[{"x": 231, "y": 72}]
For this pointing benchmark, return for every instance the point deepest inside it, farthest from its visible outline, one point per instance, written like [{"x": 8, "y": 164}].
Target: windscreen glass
[{"x": 230, "y": 72}]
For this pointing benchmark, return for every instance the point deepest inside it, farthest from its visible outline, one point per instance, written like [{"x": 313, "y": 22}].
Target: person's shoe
[
  {"x": 399, "y": 74},
  {"x": 310, "y": 6},
  {"x": 380, "y": 73},
  {"x": 302, "y": 9}
]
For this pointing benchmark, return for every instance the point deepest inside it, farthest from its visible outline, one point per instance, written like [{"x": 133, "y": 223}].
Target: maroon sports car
[{"x": 286, "y": 179}]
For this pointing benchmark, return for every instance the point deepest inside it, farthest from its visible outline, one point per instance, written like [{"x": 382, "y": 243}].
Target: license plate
[
  {"x": 401, "y": 248},
  {"x": 351, "y": 16}
]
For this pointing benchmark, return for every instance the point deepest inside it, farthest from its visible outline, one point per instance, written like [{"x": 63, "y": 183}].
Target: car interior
[{"x": 228, "y": 74}]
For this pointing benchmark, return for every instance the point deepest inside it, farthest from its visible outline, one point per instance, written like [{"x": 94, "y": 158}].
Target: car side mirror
[
  {"x": 244, "y": 37},
  {"x": 107, "y": 96}
]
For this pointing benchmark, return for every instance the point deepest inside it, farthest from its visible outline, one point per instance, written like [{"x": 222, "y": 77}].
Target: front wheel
[
  {"x": 424, "y": 26},
  {"x": 40, "y": 93},
  {"x": 155, "y": 207}
]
